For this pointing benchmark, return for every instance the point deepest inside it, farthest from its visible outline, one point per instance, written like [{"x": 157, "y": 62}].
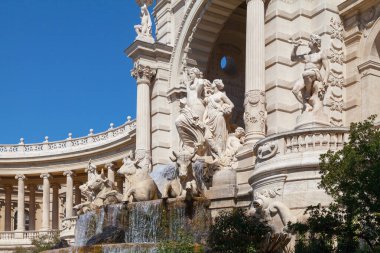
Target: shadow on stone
[{"x": 109, "y": 235}]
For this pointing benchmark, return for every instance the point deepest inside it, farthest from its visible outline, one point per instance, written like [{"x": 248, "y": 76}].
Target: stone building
[{"x": 298, "y": 72}]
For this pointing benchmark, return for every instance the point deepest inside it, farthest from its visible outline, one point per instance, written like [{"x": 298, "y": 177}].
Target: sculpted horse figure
[
  {"x": 180, "y": 179},
  {"x": 103, "y": 190},
  {"x": 141, "y": 185}
]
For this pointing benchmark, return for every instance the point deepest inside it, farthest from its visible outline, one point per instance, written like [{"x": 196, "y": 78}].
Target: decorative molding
[{"x": 68, "y": 145}]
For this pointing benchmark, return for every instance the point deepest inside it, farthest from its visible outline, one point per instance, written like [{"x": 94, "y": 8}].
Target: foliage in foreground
[
  {"x": 184, "y": 244},
  {"x": 351, "y": 176},
  {"x": 237, "y": 232}
]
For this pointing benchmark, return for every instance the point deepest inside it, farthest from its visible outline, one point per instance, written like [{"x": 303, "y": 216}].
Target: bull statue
[
  {"x": 103, "y": 190},
  {"x": 181, "y": 179},
  {"x": 141, "y": 186}
]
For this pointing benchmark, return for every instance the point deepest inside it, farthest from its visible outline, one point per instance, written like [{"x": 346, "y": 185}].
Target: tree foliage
[
  {"x": 237, "y": 232},
  {"x": 352, "y": 177}
]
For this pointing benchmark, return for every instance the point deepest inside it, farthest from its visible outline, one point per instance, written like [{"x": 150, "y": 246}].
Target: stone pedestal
[
  {"x": 223, "y": 192},
  {"x": 312, "y": 120}
]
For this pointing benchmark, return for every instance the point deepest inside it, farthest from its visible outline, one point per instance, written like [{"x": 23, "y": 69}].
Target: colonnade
[{"x": 49, "y": 204}]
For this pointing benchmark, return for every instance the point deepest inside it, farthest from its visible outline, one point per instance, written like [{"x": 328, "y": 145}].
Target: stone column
[
  {"x": 20, "y": 202},
  {"x": 55, "y": 206},
  {"x": 69, "y": 193},
  {"x": 45, "y": 201},
  {"x": 32, "y": 207},
  {"x": 255, "y": 102},
  {"x": 111, "y": 171},
  {"x": 78, "y": 194},
  {"x": 143, "y": 75},
  {"x": 8, "y": 207}
]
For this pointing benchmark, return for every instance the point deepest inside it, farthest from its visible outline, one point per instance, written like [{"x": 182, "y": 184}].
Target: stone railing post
[
  {"x": 143, "y": 75},
  {"x": 20, "y": 202},
  {"x": 255, "y": 102},
  {"x": 45, "y": 201},
  {"x": 69, "y": 193}
]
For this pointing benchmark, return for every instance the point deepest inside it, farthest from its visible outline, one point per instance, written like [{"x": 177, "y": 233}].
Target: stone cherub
[
  {"x": 144, "y": 30},
  {"x": 310, "y": 89}
]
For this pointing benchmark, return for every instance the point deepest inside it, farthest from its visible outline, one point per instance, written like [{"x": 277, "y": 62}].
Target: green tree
[
  {"x": 236, "y": 231},
  {"x": 352, "y": 177}
]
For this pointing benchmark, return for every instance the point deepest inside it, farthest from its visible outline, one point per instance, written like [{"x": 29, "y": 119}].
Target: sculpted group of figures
[{"x": 209, "y": 142}]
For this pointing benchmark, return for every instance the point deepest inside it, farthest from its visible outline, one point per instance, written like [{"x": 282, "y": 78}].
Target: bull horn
[
  {"x": 173, "y": 159},
  {"x": 194, "y": 158},
  {"x": 175, "y": 153}
]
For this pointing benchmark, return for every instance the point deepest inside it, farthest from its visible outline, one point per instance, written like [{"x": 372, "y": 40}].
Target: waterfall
[{"x": 148, "y": 222}]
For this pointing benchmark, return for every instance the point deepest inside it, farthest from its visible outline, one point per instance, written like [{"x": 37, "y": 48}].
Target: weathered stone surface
[{"x": 109, "y": 235}]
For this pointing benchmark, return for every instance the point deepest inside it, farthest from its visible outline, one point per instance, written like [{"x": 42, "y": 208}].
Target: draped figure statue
[
  {"x": 219, "y": 108},
  {"x": 189, "y": 123}
]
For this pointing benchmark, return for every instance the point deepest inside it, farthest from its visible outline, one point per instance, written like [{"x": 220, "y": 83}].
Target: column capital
[
  {"x": 20, "y": 177},
  {"x": 142, "y": 73},
  {"x": 68, "y": 173},
  {"x": 45, "y": 175}
]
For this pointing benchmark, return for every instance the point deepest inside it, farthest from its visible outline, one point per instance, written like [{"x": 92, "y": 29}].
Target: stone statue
[
  {"x": 104, "y": 191},
  {"x": 190, "y": 128},
  {"x": 310, "y": 89},
  {"x": 189, "y": 123},
  {"x": 219, "y": 108},
  {"x": 181, "y": 179},
  {"x": 234, "y": 142},
  {"x": 140, "y": 185},
  {"x": 144, "y": 30}
]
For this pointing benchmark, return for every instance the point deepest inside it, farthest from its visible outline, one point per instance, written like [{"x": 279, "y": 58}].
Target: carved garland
[{"x": 336, "y": 79}]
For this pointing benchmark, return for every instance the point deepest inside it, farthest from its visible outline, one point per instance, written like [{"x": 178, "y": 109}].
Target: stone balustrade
[
  {"x": 300, "y": 141},
  {"x": 68, "y": 145},
  {"x": 5, "y": 237}
]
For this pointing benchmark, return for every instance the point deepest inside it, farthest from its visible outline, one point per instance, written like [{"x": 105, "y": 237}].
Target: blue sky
[{"x": 62, "y": 67}]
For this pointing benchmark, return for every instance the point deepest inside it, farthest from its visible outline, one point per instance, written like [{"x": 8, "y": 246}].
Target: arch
[
  {"x": 200, "y": 16},
  {"x": 370, "y": 45}
]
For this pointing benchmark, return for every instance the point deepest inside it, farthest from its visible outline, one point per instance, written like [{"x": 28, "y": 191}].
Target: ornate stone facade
[{"x": 216, "y": 116}]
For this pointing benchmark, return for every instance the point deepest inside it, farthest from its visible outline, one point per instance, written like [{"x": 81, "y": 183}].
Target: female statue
[
  {"x": 189, "y": 123},
  {"x": 195, "y": 92},
  {"x": 219, "y": 107},
  {"x": 145, "y": 29}
]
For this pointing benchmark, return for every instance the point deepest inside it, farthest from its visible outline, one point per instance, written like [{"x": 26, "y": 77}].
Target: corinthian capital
[{"x": 142, "y": 73}]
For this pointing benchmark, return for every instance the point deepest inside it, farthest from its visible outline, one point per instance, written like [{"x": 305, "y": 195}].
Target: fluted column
[
  {"x": 55, "y": 206},
  {"x": 69, "y": 193},
  {"x": 255, "y": 102},
  {"x": 78, "y": 194},
  {"x": 45, "y": 201},
  {"x": 8, "y": 207},
  {"x": 20, "y": 202},
  {"x": 111, "y": 171},
  {"x": 143, "y": 75},
  {"x": 32, "y": 206}
]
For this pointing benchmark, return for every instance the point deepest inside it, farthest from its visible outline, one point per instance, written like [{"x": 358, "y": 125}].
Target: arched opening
[{"x": 227, "y": 61}]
